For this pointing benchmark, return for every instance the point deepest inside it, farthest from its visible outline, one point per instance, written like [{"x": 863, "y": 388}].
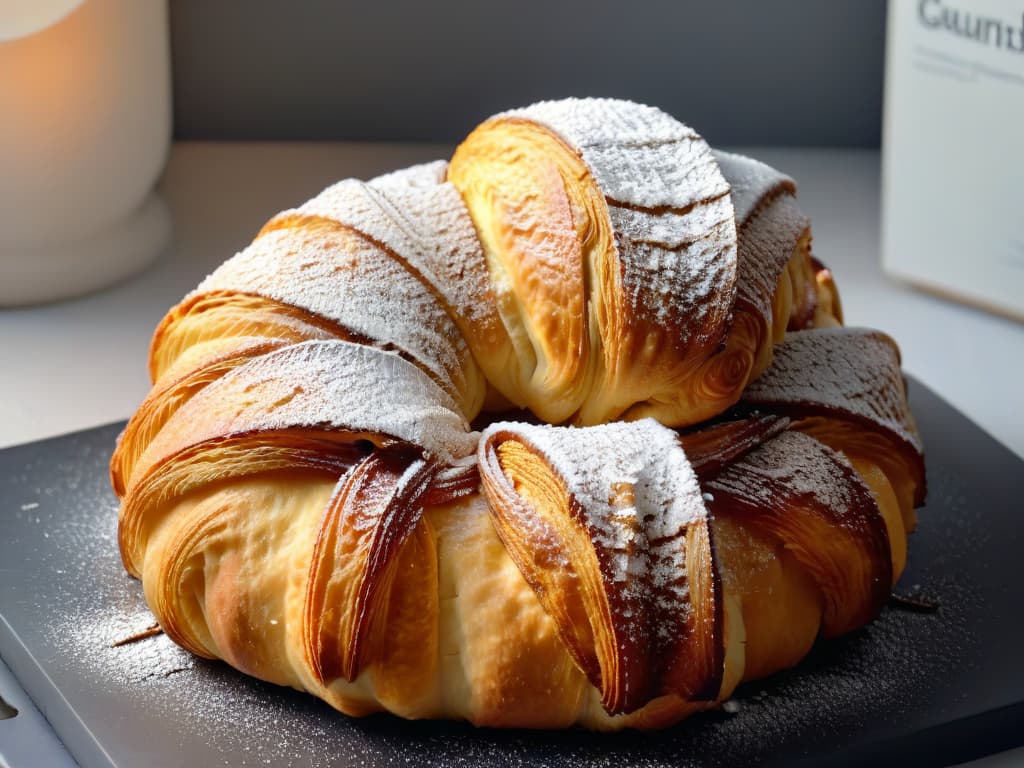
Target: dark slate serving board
[{"x": 920, "y": 689}]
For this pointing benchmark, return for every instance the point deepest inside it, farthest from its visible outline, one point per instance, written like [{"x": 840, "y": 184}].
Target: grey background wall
[{"x": 785, "y": 72}]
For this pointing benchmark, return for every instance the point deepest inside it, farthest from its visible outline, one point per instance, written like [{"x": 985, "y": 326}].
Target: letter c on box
[{"x": 928, "y": 22}]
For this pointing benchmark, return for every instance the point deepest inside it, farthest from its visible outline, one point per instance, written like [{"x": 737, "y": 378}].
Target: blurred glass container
[{"x": 85, "y": 126}]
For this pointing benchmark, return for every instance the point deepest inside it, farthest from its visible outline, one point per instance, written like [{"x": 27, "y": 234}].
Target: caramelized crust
[
  {"x": 813, "y": 500},
  {"x": 373, "y": 511}
]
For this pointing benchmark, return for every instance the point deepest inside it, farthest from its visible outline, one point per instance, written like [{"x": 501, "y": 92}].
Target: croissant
[{"x": 567, "y": 431}]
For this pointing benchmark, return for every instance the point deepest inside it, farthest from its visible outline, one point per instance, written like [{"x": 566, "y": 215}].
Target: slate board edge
[{"x": 59, "y": 713}]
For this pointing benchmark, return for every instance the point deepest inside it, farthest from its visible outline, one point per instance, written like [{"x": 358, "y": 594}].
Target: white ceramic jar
[{"x": 85, "y": 125}]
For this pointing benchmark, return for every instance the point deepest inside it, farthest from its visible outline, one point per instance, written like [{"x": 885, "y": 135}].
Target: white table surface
[{"x": 81, "y": 363}]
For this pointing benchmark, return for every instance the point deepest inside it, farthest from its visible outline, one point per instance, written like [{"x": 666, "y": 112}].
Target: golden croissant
[{"x": 565, "y": 431}]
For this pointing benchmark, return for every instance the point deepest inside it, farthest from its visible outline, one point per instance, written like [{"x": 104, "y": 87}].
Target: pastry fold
[
  {"x": 608, "y": 527},
  {"x": 847, "y": 386},
  {"x": 610, "y": 241},
  {"x": 308, "y": 406},
  {"x": 812, "y": 500},
  {"x": 375, "y": 507}
]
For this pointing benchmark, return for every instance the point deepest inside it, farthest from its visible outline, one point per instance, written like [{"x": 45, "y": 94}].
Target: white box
[{"x": 953, "y": 149}]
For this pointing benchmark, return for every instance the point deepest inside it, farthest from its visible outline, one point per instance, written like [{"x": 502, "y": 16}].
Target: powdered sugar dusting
[
  {"x": 420, "y": 176},
  {"x": 852, "y": 371},
  {"x": 752, "y": 183},
  {"x": 423, "y": 221},
  {"x": 130, "y": 663},
  {"x": 428, "y": 226},
  {"x": 793, "y": 465},
  {"x": 324, "y": 385},
  {"x": 669, "y": 207},
  {"x": 766, "y": 244},
  {"x": 347, "y": 279},
  {"x": 446, "y": 251},
  {"x": 635, "y": 123},
  {"x": 691, "y": 287},
  {"x": 637, "y": 494}
]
